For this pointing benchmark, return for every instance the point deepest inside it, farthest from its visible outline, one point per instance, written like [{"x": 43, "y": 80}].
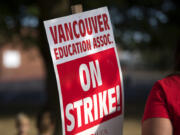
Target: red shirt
[{"x": 164, "y": 101}]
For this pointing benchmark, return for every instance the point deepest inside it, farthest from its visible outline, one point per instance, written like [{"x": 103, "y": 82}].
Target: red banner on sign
[{"x": 87, "y": 108}]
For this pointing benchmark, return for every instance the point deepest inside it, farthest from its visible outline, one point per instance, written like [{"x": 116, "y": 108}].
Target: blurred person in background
[
  {"x": 46, "y": 122},
  {"x": 22, "y": 124},
  {"x": 162, "y": 110}
]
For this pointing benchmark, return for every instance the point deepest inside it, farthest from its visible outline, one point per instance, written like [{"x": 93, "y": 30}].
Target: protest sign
[{"x": 88, "y": 73}]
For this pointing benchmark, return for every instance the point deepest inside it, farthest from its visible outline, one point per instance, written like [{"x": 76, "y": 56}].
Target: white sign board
[{"x": 88, "y": 73}]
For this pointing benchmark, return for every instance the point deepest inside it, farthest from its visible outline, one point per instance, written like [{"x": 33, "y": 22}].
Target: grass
[
  {"x": 7, "y": 126},
  {"x": 132, "y": 127}
]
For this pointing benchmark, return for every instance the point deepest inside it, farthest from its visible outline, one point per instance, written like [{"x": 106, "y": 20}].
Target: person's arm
[
  {"x": 156, "y": 119},
  {"x": 157, "y": 126}
]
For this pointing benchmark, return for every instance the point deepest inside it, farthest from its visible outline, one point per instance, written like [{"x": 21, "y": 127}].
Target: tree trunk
[{"x": 48, "y": 10}]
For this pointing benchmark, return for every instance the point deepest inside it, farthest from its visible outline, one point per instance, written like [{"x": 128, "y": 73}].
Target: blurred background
[{"x": 146, "y": 33}]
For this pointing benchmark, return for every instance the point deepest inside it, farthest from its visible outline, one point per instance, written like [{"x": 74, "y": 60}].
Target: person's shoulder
[{"x": 170, "y": 82}]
